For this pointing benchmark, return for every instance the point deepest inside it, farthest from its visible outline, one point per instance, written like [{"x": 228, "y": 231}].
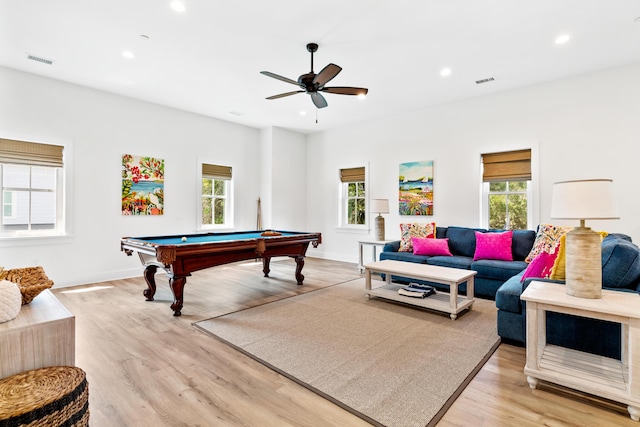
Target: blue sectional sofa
[
  {"x": 462, "y": 244},
  {"x": 502, "y": 281}
]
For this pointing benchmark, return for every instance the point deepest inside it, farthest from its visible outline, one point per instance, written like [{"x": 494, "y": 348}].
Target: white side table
[
  {"x": 374, "y": 244},
  {"x": 617, "y": 380}
]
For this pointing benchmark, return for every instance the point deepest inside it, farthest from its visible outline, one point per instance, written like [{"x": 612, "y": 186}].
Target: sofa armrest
[{"x": 391, "y": 246}]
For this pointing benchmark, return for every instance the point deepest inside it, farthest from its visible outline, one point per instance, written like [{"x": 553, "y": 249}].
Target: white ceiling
[{"x": 207, "y": 59}]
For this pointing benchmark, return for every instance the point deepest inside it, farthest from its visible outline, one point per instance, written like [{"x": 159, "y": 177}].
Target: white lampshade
[
  {"x": 584, "y": 199},
  {"x": 379, "y": 205}
]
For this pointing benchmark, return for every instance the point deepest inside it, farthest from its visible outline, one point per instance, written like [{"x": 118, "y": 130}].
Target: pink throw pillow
[
  {"x": 541, "y": 266},
  {"x": 430, "y": 246},
  {"x": 493, "y": 245}
]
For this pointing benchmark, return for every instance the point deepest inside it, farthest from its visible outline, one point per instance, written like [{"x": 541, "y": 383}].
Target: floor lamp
[
  {"x": 380, "y": 206},
  {"x": 582, "y": 200}
]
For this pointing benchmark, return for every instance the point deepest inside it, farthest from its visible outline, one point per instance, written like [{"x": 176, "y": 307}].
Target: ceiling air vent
[
  {"x": 38, "y": 59},
  {"x": 490, "y": 79}
]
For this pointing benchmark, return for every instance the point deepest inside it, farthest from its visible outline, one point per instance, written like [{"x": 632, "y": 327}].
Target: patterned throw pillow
[
  {"x": 494, "y": 245},
  {"x": 547, "y": 239},
  {"x": 407, "y": 231}
]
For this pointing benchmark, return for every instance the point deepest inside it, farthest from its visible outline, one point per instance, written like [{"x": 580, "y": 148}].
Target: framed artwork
[
  {"x": 142, "y": 185},
  {"x": 416, "y": 188}
]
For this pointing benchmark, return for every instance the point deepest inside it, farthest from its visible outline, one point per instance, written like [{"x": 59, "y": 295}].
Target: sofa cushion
[
  {"x": 455, "y": 261},
  {"x": 620, "y": 263},
  {"x": 521, "y": 243},
  {"x": 407, "y": 231},
  {"x": 431, "y": 247},
  {"x": 404, "y": 256},
  {"x": 462, "y": 240},
  {"x": 508, "y": 295},
  {"x": 498, "y": 270},
  {"x": 547, "y": 239},
  {"x": 493, "y": 245}
]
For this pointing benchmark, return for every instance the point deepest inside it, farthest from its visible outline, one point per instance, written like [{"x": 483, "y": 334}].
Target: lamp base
[
  {"x": 584, "y": 263},
  {"x": 379, "y": 227}
]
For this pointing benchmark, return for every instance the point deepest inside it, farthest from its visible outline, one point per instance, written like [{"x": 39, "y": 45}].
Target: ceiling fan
[{"x": 313, "y": 83}]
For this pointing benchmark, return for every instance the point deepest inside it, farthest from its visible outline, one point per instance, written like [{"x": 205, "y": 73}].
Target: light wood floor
[{"x": 148, "y": 368}]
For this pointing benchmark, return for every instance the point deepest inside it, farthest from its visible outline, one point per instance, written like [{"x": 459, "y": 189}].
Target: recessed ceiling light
[
  {"x": 128, "y": 54},
  {"x": 303, "y": 113},
  {"x": 178, "y": 6},
  {"x": 445, "y": 72},
  {"x": 562, "y": 39},
  {"x": 362, "y": 96}
]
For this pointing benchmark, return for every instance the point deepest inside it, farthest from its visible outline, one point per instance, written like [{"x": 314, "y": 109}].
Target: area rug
[{"x": 390, "y": 364}]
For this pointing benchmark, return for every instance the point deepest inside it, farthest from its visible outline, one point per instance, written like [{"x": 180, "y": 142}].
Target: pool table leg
[
  {"x": 265, "y": 266},
  {"x": 299, "y": 265},
  {"x": 177, "y": 287},
  {"x": 150, "y": 278}
]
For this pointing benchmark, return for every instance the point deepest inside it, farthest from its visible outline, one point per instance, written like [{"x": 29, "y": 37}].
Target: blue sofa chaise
[{"x": 620, "y": 272}]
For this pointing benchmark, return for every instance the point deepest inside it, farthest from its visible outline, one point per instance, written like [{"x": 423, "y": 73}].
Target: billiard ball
[{"x": 184, "y": 239}]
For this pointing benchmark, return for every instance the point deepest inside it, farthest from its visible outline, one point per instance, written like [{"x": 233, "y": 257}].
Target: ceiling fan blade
[
  {"x": 276, "y": 76},
  {"x": 282, "y": 95},
  {"x": 327, "y": 73},
  {"x": 318, "y": 100},
  {"x": 341, "y": 90}
]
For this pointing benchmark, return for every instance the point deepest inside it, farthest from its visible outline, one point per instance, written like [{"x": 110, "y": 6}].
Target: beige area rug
[{"x": 388, "y": 363}]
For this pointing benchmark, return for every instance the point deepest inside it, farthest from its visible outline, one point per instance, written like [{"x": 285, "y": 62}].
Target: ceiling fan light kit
[{"x": 312, "y": 83}]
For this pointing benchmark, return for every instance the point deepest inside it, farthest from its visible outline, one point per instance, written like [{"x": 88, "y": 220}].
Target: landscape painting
[
  {"x": 142, "y": 185},
  {"x": 416, "y": 188}
]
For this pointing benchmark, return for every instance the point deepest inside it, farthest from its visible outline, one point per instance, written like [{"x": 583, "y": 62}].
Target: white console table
[
  {"x": 617, "y": 380},
  {"x": 42, "y": 335}
]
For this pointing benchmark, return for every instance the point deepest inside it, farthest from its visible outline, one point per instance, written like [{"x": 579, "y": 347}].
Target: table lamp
[
  {"x": 582, "y": 200},
  {"x": 380, "y": 206}
]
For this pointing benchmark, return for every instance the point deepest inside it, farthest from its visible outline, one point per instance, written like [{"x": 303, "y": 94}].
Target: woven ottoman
[{"x": 50, "y": 397}]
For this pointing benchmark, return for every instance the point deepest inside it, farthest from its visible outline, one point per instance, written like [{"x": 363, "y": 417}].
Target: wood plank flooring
[{"x": 148, "y": 368}]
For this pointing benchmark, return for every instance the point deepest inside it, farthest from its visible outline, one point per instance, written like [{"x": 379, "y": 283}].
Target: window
[
  {"x": 216, "y": 196},
  {"x": 506, "y": 180},
  {"x": 31, "y": 176},
  {"x": 353, "y": 197}
]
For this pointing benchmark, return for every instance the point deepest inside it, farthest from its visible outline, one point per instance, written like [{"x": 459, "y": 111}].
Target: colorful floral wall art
[
  {"x": 416, "y": 188},
  {"x": 142, "y": 185}
]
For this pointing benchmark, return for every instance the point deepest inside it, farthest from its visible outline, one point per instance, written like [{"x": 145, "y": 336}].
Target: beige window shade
[
  {"x": 216, "y": 171},
  {"x": 507, "y": 166},
  {"x": 352, "y": 175},
  {"x": 30, "y": 153}
]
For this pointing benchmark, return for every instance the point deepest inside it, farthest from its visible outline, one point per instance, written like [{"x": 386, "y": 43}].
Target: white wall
[
  {"x": 101, "y": 128},
  {"x": 583, "y": 127}
]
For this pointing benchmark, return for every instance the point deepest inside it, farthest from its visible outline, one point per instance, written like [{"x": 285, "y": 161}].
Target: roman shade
[
  {"x": 216, "y": 171},
  {"x": 352, "y": 174},
  {"x": 30, "y": 153},
  {"x": 507, "y": 166}
]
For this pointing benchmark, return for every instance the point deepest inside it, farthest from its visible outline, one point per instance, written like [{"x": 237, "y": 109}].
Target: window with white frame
[
  {"x": 216, "y": 196},
  {"x": 32, "y": 181},
  {"x": 507, "y": 198},
  {"x": 353, "y": 197}
]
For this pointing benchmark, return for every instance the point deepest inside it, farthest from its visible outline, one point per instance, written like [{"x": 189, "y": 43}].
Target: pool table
[{"x": 180, "y": 255}]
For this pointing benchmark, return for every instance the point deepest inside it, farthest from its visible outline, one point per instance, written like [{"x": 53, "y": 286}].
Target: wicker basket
[
  {"x": 46, "y": 397},
  {"x": 30, "y": 280}
]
